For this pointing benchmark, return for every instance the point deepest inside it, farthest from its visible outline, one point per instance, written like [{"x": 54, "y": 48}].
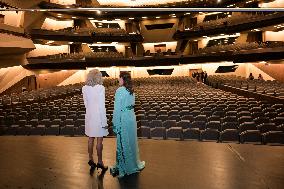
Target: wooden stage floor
[{"x": 56, "y": 162}]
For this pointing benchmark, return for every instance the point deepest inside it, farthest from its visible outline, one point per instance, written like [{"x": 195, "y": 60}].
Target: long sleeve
[
  {"x": 84, "y": 97},
  {"x": 103, "y": 108},
  {"x": 116, "y": 120}
]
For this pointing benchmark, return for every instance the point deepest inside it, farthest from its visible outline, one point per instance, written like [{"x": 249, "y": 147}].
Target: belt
[{"x": 127, "y": 108}]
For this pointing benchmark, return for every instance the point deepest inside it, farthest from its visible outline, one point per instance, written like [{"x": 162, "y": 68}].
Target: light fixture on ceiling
[
  {"x": 99, "y": 12},
  {"x": 90, "y": 18},
  {"x": 144, "y": 17},
  {"x": 99, "y": 42},
  {"x": 131, "y": 18},
  {"x": 117, "y": 19},
  {"x": 158, "y": 17},
  {"x": 59, "y": 16},
  {"x": 188, "y": 13},
  {"x": 74, "y": 17}
]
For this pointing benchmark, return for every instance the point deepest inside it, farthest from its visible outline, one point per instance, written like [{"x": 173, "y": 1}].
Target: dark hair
[{"x": 127, "y": 83}]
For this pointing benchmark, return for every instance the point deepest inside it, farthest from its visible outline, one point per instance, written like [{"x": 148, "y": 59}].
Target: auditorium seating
[
  {"x": 166, "y": 108},
  {"x": 89, "y": 31},
  {"x": 271, "y": 88},
  {"x": 237, "y": 47},
  {"x": 230, "y": 21},
  {"x": 79, "y": 56},
  {"x": 61, "y": 56}
]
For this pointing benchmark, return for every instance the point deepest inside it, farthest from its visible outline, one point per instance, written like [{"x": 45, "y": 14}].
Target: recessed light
[
  {"x": 144, "y": 17},
  {"x": 174, "y": 16},
  {"x": 158, "y": 17},
  {"x": 99, "y": 42},
  {"x": 74, "y": 17},
  {"x": 131, "y": 18},
  {"x": 99, "y": 12},
  {"x": 90, "y": 18},
  {"x": 59, "y": 16}
]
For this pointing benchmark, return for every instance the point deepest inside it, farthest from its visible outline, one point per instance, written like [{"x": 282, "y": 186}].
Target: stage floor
[{"x": 41, "y": 162}]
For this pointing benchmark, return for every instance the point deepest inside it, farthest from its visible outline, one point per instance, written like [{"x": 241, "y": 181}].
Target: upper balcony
[
  {"x": 86, "y": 35},
  {"x": 233, "y": 24}
]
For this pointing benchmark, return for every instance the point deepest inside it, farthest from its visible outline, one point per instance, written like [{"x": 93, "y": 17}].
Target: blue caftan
[{"x": 125, "y": 127}]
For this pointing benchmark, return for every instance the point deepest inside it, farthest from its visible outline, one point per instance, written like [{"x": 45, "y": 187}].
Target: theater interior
[{"x": 222, "y": 130}]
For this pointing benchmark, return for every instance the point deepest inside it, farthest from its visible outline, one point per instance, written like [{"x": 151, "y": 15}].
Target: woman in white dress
[{"x": 95, "y": 118}]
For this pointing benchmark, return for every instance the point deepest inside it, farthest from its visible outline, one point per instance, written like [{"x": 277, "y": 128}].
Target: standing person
[
  {"x": 125, "y": 128},
  {"x": 260, "y": 77},
  {"x": 251, "y": 77},
  {"x": 202, "y": 76},
  {"x": 197, "y": 76},
  {"x": 95, "y": 118},
  {"x": 205, "y": 77}
]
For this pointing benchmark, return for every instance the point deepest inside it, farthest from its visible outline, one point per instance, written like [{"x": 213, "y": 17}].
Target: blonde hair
[{"x": 94, "y": 77}]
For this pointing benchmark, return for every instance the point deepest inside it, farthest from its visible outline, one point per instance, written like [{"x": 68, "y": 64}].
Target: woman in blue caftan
[{"x": 125, "y": 128}]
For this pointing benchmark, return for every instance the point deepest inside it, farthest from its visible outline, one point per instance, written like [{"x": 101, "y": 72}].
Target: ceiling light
[
  {"x": 144, "y": 17},
  {"x": 187, "y": 13},
  {"x": 90, "y": 18},
  {"x": 99, "y": 12},
  {"x": 219, "y": 1},
  {"x": 99, "y": 42},
  {"x": 222, "y": 34},
  {"x": 158, "y": 17},
  {"x": 117, "y": 19},
  {"x": 74, "y": 17},
  {"x": 67, "y": 7},
  {"x": 100, "y": 23},
  {"x": 174, "y": 16},
  {"x": 59, "y": 16},
  {"x": 204, "y": 36},
  {"x": 131, "y": 18}
]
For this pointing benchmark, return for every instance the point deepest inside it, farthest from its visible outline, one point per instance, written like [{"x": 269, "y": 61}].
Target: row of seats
[
  {"x": 61, "y": 56},
  {"x": 80, "y": 56},
  {"x": 272, "y": 88},
  {"x": 233, "y": 20},
  {"x": 237, "y": 47},
  {"x": 92, "y": 30},
  {"x": 109, "y": 54}
]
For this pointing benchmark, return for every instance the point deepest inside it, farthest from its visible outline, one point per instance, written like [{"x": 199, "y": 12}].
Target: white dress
[{"x": 95, "y": 118}]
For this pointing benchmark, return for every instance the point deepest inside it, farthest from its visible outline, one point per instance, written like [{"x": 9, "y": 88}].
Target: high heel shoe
[
  {"x": 92, "y": 164},
  {"x": 104, "y": 168}
]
